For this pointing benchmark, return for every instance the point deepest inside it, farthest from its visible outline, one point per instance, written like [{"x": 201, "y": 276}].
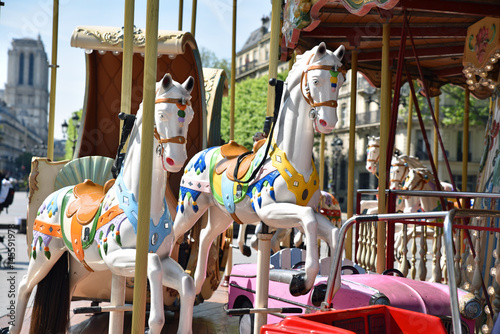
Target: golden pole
[
  {"x": 465, "y": 139},
  {"x": 322, "y": 161},
  {"x": 53, "y": 75},
  {"x": 436, "y": 152},
  {"x": 141, "y": 262},
  {"x": 128, "y": 54},
  {"x": 264, "y": 238},
  {"x": 385, "y": 106},
  {"x": 233, "y": 74},
  {"x": 273, "y": 60},
  {"x": 352, "y": 144},
  {"x": 193, "y": 17},
  {"x": 410, "y": 123},
  {"x": 181, "y": 11}
]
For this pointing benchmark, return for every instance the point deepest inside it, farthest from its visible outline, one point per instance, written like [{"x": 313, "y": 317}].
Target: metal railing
[{"x": 447, "y": 225}]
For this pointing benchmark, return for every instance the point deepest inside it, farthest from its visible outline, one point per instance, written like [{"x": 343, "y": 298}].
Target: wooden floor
[{"x": 209, "y": 318}]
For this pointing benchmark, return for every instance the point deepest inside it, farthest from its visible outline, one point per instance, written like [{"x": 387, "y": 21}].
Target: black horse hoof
[
  {"x": 298, "y": 285},
  {"x": 198, "y": 300},
  {"x": 247, "y": 251},
  {"x": 4, "y": 330}
]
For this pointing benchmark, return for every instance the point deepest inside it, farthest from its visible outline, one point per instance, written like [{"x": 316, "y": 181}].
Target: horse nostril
[
  {"x": 322, "y": 122},
  {"x": 170, "y": 161}
]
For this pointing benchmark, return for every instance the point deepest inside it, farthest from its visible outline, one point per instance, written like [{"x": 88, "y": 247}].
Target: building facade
[
  {"x": 252, "y": 61},
  {"x": 24, "y": 106},
  {"x": 26, "y": 91},
  {"x": 368, "y": 124}
]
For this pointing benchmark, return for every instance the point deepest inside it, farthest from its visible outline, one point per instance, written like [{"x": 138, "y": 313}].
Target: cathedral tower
[{"x": 26, "y": 91}]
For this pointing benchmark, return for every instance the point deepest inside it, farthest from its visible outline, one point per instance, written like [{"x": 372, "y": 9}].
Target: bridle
[
  {"x": 403, "y": 175},
  {"x": 375, "y": 161},
  {"x": 181, "y": 103},
  {"x": 421, "y": 182},
  {"x": 306, "y": 92}
]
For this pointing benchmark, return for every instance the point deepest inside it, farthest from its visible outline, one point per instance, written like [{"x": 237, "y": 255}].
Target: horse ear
[
  {"x": 188, "y": 84},
  {"x": 339, "y": 53},
  {"x": 166, "y": 82},
  {"x": 321, "y": 51}
]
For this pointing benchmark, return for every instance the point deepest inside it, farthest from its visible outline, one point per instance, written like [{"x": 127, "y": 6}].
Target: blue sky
[{"x": 28, "y": 18}]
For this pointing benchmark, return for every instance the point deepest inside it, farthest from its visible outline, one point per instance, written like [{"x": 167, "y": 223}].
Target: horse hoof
[
  {"x": 298, "y": 285},
  {"x": 247, "y": 251},
  {"x": 199, "y": 299},
  {"x": 4, "y": 330}
]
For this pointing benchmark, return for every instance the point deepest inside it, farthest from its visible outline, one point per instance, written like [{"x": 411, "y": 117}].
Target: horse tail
[{"x": 52, "y": 300}]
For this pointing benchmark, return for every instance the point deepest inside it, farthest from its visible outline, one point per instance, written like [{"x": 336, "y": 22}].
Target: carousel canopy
[{"x": 438, "y": 28}]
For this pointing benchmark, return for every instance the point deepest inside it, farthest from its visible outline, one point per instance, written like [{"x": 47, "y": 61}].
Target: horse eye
[{"x": 315, "y": 81}]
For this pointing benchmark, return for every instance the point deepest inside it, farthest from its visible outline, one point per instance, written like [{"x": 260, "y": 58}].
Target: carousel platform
[{"x": 209, "y": 318}]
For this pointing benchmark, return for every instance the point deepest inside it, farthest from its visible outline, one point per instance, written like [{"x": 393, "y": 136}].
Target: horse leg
[
  {"x": 254, "y": 242},
  {"x": 244, "y": 249},
  {"x": 184, "y": 220},
  {"x": 281, "y": 215},
  {"x": 279, "y": 235},
  {"x": 218, "y": 222},
  {"x": 176, "y": 278},
  {"x": 77, "y": 273},
  {"x": 37, "y": 269},
  {"x": 121, "y": 262}
]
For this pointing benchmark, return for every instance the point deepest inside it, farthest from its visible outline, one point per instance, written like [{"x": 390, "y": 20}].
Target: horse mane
[{"x": 413, "y": 162}]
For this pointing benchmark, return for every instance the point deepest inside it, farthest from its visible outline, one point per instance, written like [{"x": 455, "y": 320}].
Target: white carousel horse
[
  {"x": 97, "y": 225},
  {"x": 423, "y": 179},
  {"x": 328, "y": 206},
  {"x": 285, "y": 191}
]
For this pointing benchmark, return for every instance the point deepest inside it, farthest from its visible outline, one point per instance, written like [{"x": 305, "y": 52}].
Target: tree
[
  {"x": 249, "y": 110},
  {"x": 209, "y": 59},
  {"x": 454, "y": 112},
  {"x": 72, "y": 134}
]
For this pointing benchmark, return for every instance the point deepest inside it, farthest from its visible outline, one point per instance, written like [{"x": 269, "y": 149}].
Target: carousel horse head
[
  {"x": 320, "y": 79},
  {"x": 372, "y": 154},
  {"x": 173, "y": 113},
  {"x": 400, "y": 167},
  {"x": 417, "y": 179}
]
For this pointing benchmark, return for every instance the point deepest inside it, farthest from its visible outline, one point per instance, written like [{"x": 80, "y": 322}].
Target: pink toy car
[{"x": 356, "y": 290}]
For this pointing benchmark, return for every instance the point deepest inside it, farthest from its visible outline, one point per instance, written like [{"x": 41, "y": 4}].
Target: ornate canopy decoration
[{"x": 481, "y": 54}]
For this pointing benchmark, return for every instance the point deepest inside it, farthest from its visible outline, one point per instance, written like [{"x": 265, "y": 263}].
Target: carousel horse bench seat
[{"x": 231, "y": 152}]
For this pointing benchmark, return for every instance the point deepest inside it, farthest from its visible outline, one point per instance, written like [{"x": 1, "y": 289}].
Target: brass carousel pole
[
  {"x": 465, "y": 140},
  {"x": 141, "y": 262},
  {"x": 53, "y": 74},
  {"x": 181, "y": 12},
  {"x": 229, "y": 265},
  {"x": 436, "y": 149},
  {"x": 193, "y": 17},
  {"x": 352, "y": 144},
  {"x": 385, "y": 107},
  {"x": 233, "y": 73},
  {"x": 410, "y": 124},
  {"x": 118, "y": 282},
  {"x": 264, "y": 243}
]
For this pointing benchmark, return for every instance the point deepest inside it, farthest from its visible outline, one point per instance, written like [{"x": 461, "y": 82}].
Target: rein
[
  {"x": 307, "y": 95},
  {"x": 402, "y": 175}
]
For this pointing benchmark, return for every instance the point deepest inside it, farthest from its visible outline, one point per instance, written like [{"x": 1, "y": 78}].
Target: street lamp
[
  {"x": 74, "y": 138},
  {"x": 336, "y": 145}
]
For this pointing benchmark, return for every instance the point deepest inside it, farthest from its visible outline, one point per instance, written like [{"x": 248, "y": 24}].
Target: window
[
  {"x": 21, "y": 69},
  {"x": 420, "y": 150},
  {"x": 460, "y": 149},
  {"x": 31, "y": 69}
]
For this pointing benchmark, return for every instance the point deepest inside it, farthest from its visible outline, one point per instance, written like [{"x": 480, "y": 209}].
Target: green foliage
[
  {"x": 454, "y": 113},
  {"x": 210, "y": 60},
  {"x": 72, "y": 135},
  {"x": 249, "y": 110}
]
